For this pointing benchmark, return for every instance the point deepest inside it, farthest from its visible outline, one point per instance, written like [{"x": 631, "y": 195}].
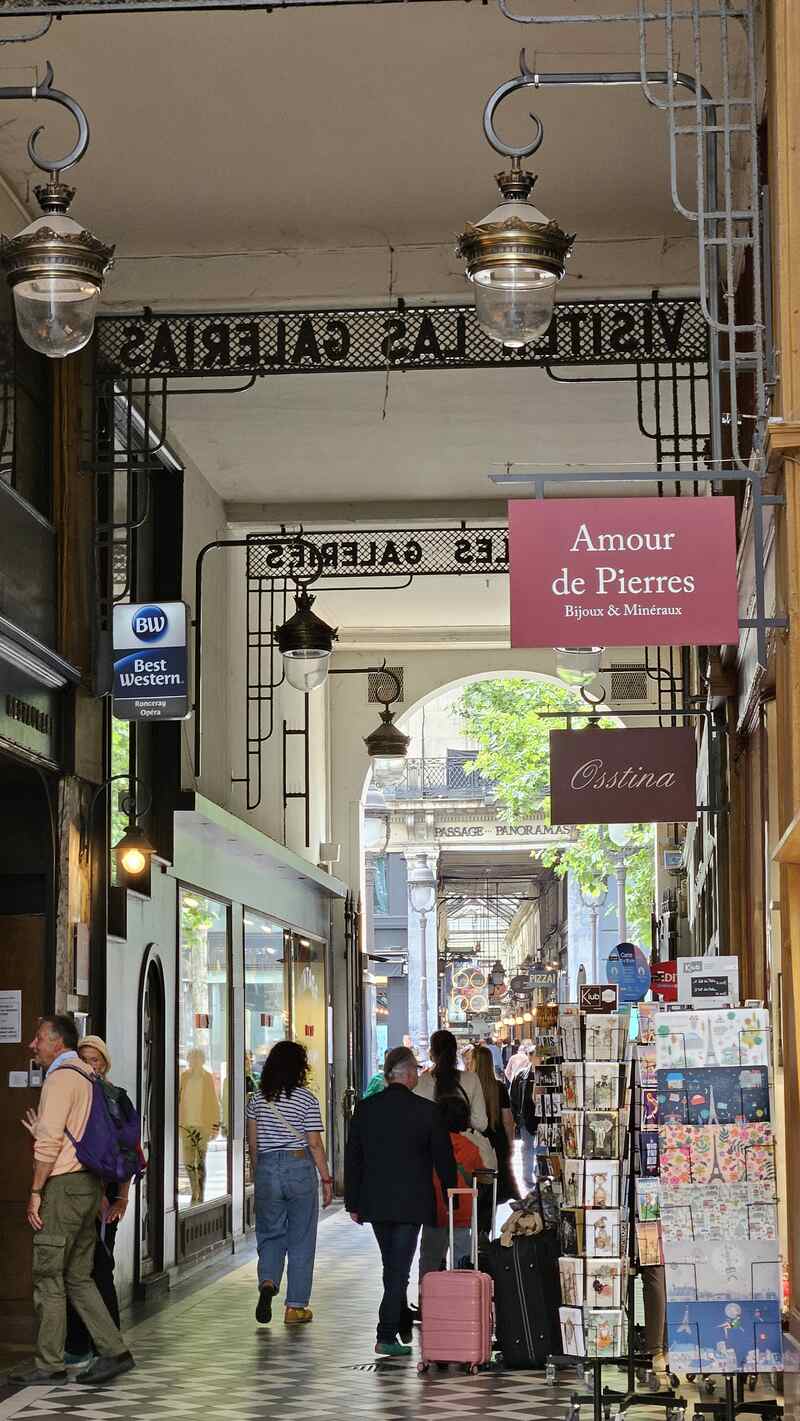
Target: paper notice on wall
[{"x": 10, "y": 1017}]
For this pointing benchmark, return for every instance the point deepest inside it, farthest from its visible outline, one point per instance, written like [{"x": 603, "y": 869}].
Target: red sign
[
  {"x": 636, "y": 776},
  {"x": 664, "y": 981},
  {"x": 623, "y": 572}
]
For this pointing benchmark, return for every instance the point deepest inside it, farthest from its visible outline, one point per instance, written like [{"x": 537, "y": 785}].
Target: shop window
[
  {"x": 266, "y": 1016},
  {"x": 310, "y": 1011},
  {"x": 203, "y": 1049}
]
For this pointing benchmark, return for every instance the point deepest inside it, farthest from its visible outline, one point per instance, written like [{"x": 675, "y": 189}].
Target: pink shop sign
[{"x": 623, "y": 572}]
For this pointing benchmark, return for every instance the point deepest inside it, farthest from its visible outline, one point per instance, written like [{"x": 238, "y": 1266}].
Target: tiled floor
[{"x": 204, "y": 1358}]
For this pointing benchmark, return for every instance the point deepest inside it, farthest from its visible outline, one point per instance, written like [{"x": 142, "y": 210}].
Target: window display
[
  {"x": 203, "y": 1049},
  {"x": 310, "y": 1011}
]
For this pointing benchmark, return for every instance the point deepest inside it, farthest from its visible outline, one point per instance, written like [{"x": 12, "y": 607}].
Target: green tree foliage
[{"x": 505, "y": 718}]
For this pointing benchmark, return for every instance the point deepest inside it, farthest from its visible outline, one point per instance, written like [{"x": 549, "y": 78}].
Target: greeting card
[
  {"x": 603, "y": 1233},
  {"x": 569, "y": 1023},
  {"x": 719, "y": 1211},
  {"x": 730, "y": 1154},
  {"x": 646, "y": 1013},
  {"x": 648, "y": 1152},
  {"x": 714, "y": 1337},
  {"x": 604, "y": 1282},
  {"x": 571, "y": 1273},
  {"x": 648, "y": 1108},
  {"x": 601, "y": 1184},
  {"x": 646, "y": 1066},
  {"x": 572, "y": 1183},
  {"x": 572, "y": 1084},
  {"x": 572, "y": 1133},
  {"x": 603, "y": 1332},
  {"x": 682, "y": 1038},
  {"x": 648, "y": 1242},
  {"x": 601, "y": 1134},
  {"x": 606, "y": 1037},
  {"x": 740, "y": 1037},
  {"x": 572, "y": 1235},
  {"x": 601, "y": 1085},
  {"x": 648, "y": 1200},
  {"x": 572, "y": 1331}
]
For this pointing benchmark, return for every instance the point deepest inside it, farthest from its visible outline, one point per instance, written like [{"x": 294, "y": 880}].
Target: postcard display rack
[
  {"x": 547, "y": 1091},
  {"x": 718, "y": 1201}
]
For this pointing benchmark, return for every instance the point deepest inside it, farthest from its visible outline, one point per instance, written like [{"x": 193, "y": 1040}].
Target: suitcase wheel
[{"x": 472, "y": 1369}]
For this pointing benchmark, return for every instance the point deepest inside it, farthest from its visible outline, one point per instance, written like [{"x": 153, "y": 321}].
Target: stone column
[{"x": 417, "y": 931}]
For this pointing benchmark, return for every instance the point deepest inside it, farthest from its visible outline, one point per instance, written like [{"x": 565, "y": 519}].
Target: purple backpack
[{"x": 110, "y": 1145}]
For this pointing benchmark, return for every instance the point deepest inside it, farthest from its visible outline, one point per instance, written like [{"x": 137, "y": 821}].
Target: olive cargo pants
[{"x": 63, "y": 1255}]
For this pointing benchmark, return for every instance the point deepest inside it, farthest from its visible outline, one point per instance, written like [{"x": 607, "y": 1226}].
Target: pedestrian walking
[
  {"x": 519, "y": 1061},
  {"x": 284, "y": 1138},
  {"x": 62, "y": 1209},
  {"x": 444, "y": 1078},
  {"x": 523, "y": 1106},
  {"x": 472, "y": 1153},
  {"x": 397, "y": 1141},
  {"x": 79, "y": 1348},
  {"x": 500, "y": 1130}
]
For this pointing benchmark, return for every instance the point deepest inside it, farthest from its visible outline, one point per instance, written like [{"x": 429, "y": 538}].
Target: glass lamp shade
[
  {"x": 514, "y": 304},
  {"x": 422, "y": 889},
  {"x": 306, "y": 669},
  {"x": 388, "y": 770},
  {"x": 55, "y": 314},
  {"x": 578, "y": 665},
  {"x": 133, "y": 851},
  {"x": 620, "y": 834}
]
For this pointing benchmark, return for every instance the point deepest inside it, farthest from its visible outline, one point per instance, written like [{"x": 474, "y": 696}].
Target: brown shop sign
[{"x": 635, "y": 776}]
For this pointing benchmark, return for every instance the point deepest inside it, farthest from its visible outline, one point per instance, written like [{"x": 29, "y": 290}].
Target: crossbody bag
[{"x": 287, "y": 1125}]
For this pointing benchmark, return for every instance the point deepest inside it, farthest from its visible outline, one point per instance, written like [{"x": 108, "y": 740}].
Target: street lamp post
[
  {"x": 422, "y": 897},
  {"x": 620, "y": 836},
  {"x": 593, "y": 901}
]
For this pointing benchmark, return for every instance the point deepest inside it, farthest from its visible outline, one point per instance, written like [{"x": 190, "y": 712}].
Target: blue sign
[
  {"x": 628, "y": 967},
  {"x": 151, "y": 672}
]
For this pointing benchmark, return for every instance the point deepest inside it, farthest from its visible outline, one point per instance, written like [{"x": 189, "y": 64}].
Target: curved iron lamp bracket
[
  {"x": 128, "y": 805},
  {"x": 46, "y": 91},
  {"x": 524, "y": 80}
]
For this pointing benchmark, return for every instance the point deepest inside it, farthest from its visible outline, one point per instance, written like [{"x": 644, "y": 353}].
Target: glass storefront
[
  {"x": 309, "y": 1017},
  {"x": 266, "y": 1014},
  {"x": 203, "y": 1049}
]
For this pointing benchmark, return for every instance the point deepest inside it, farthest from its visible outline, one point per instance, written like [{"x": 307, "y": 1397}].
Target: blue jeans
[
  {"x": 528, "y": 1155},
  {"x": 287, "y": 1209},
  {"x": 397, "y": 1243}
]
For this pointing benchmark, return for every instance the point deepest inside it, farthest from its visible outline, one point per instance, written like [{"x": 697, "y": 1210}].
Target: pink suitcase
[{"x": 457, "y": 1311}]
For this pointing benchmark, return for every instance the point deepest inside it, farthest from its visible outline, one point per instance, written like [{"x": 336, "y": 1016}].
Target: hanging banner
[
  {"x": 151, "y": 673},
  {"x": 628, "y": 967},
  {"x": 636, "y": 776},
  {"x": 623, "y": 572}
]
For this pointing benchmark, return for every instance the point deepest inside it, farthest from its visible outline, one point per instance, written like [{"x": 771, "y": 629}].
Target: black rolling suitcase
[{"x": 527, "y": 1296}]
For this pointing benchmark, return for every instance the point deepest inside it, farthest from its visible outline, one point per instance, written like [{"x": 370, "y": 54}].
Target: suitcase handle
[{"x": 451, "y": 1193}]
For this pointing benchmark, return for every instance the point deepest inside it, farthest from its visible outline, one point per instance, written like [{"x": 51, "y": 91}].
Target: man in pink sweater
[{"x": 64, "y": 1202}]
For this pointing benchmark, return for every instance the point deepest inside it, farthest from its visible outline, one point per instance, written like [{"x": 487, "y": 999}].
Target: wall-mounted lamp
[
  {"x": 305, "y": 641},
  {"x": 133, "y": 851}
]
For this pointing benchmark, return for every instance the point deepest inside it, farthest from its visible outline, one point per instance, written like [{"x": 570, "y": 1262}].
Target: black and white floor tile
[{"x": 203, "y": 1357}]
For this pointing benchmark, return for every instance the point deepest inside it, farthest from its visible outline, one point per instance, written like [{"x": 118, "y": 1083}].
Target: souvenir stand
[
  {"x": 598, "y": 1246},
  {"x": 718, "y": 1200},
  {"x": 547, "y": 1090}
]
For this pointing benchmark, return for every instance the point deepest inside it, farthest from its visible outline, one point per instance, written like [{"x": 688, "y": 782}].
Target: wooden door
[{"x": 22, "y": 968}]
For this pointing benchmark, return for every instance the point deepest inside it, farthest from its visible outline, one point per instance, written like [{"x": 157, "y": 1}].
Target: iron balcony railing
[{"x": 441, "y": 778}]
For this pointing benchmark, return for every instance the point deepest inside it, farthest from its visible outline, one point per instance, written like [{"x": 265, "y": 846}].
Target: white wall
[{"x": 203, "y": 522}]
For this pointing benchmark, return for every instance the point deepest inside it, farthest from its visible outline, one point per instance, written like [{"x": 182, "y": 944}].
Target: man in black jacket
[{"x": 396, "y": 1141}]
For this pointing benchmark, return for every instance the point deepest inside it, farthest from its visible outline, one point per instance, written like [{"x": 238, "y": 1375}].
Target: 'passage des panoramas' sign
[
  {"x": 623, "y": 572},
  {"x": 636, "y": 776}
]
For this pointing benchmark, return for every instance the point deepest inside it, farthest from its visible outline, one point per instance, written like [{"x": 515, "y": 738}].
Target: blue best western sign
[{"x": 151, "y": 674}]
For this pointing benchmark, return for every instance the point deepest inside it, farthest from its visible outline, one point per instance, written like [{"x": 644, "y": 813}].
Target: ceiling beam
[{"x": 366, "y": 511}]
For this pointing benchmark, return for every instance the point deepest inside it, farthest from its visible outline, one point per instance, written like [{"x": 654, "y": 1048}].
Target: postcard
[
  {"x": 601, "y": 1184},
  {"x": 720, "y": 1337},
  {"x": 572, "y": 1331},
  {"x": 648, "y": 1200},
  {"x": 572, "y": 1133},
  {"x": 601, "y": 1134},
  {"x": 719, "y": 1211},
  {"x": 572, "y": 1234},
  {"x": 648, "y": 1152},
  {"x": 606, "y": 1037},
  {"x": 604, "y": 1282},
  {"x": 728, "y": 1154},
  {"x": 646, "y": 1013},
  {"x": 603, "y": 1234},
  {"x": 571, "y": 1273},
  {"x": 649, "y": 1116},
  {"x": 648, "y": 1241},
  {"x": 603, "y": 1332},
  {"x": 572, "y": 1183},
  {"x": 646, "y": 1066},
  {"x": 569, "y": 1023}
]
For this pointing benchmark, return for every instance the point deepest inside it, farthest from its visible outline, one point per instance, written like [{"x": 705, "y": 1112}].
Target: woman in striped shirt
[{"x": 284, "y": 1137}]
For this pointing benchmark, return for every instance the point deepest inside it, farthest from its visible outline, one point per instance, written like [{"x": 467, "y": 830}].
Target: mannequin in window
[{"x": 198, "y": 1118}]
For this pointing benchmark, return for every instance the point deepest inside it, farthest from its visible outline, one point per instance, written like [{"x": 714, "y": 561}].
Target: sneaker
[
  {"x": 264, "y": 1308},
  {"x": 103, "y": 1369},
  {"x": 392, "y": 1349},
  {"x": 293, "y": 1317},
  {"x": 31, "y": 1374}
]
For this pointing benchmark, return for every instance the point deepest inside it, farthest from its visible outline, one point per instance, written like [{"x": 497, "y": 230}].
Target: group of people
[{"x": 415, "y": 1135}]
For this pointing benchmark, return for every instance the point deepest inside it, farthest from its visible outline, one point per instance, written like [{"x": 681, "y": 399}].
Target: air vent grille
[
  {"x": 629, "y": 683},
  {"x": 380, "y": 684}
]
